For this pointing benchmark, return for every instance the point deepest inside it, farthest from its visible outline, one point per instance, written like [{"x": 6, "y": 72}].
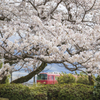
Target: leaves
[{"x": 1, "y": 65}]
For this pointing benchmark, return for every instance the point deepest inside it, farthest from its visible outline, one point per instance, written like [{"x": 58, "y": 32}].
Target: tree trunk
[
  {"x": 90, "y": 80},
  {"x": 30, "y": 75},
  {"x": 3, "y": 81}
]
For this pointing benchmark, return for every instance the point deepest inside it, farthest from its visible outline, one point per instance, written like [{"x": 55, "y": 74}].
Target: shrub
[
  {"x": 66, "y": 78},
  {"x": 51, "y": 90},
  {"x": 96, "y": 91},
  {"x": 76, "y": 92},
  {"x": 72, "y": 91},
  {"x": 83, "y": 79},
  {"x": 20, "y": 92},
  {"x": 47, "y": 92}
]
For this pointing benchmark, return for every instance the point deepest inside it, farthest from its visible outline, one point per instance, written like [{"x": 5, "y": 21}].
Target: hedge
[
  {"x": 20, "y": 92},
  {"x": 66, "y": 78},
  {"x": 67, "y": 91},
  {"x": 51, "y": 90},
  {"x": 47, "y": 92},
  {"x": 76, "y": 92}
]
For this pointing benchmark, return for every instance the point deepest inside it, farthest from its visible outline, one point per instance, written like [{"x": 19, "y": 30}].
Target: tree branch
[{"x": 30, "y": 75}]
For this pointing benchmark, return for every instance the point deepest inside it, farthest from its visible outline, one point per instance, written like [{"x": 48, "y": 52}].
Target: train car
[{"x": 47, "y": 78}]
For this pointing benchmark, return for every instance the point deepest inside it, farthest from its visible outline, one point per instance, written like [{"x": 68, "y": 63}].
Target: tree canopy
[{"x": 51, "y": 31}]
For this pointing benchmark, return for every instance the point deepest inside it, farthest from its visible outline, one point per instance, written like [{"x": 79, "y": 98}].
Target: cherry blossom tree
[{"x": 37, "y": 32}]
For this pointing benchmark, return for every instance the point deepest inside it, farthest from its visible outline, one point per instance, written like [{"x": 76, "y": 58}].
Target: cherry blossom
[{"x": 51, "y": 31}]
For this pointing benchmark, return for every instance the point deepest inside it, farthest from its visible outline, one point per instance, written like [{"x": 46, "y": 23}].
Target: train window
[
  {"x": 42, "y": 77},
  {"x": 52, "y": 77},
  {"x": 48, "y": 77}
]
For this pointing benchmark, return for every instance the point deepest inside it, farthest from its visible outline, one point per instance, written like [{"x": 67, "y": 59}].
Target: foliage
[
  {"x": 96, "y": 91},
  {"x": 7, "y": 81},
  {"x": 4, "y": 77},
  {"x": 67, "y": 91},
  {"x": 66, "y": 78},
  {"x": 51, "y": 31},
  {"x": 1, "y": 65},
  {"x": 76, "y": 92},
  {"x": 77, "y": 78},
  {"x": 20, "y": 92},
  {"x": 50, "y": 92},
  {"x": 82, "y": 78}
]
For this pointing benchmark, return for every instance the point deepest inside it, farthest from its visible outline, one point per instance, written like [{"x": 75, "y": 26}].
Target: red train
[{"x": 47, "y": 78}]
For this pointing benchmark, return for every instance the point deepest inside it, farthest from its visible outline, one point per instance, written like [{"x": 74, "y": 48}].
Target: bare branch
[
  {"x": 32, "y": 5},
  {"x": 56, "y": 7},
  {"x": 88, "y": 10}
]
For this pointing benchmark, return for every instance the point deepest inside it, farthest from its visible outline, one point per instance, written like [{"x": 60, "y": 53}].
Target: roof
[{"x": 50, "y": 73}]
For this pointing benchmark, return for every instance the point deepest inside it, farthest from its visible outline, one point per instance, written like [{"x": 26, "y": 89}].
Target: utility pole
[
  {"x": 34, "y": 77},
  {"x": 11, "y": 76}
]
